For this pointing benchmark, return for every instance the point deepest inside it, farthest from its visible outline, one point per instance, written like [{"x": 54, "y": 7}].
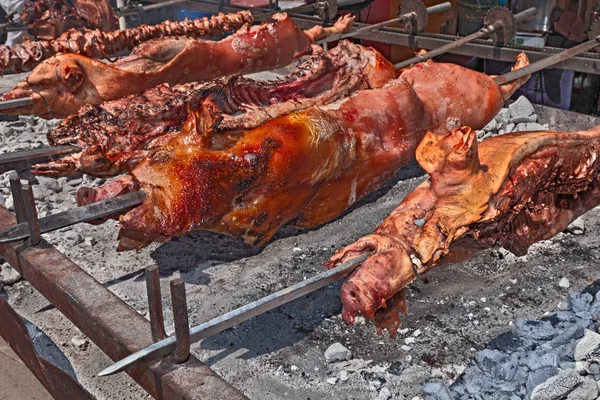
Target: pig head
[{"x": 511, "y": 191}]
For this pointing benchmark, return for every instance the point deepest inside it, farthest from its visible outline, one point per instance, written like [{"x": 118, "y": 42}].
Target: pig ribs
[{"x": 115, "y": 135}]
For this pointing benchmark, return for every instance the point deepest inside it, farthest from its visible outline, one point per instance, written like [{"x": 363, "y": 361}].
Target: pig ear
[
  {"x": 72, "y": 76},
  {"x": 430, "y": 154},
  {"x": 469, "y": 140}
]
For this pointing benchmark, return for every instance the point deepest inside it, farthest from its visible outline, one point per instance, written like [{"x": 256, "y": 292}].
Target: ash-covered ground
[{"x": 281, "y": 354}]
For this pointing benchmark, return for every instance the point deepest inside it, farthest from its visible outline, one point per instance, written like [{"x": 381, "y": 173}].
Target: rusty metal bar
[
  {"x": 155, "y": 309},
  {"x": 180, "y": 318},
  {"x": 57, "y": 382},
  {"x": 17, "y": 195},
  {"x": 585, "y": 62},
  {"x": 115, "y": 327},
  {"x": 32, "y": 216},
  {"x": 548, "y": 62}
]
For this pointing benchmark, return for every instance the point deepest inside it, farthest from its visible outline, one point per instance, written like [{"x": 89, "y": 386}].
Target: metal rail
[
  {"x": 116, "y": 328},
  {"x": 484, "y": 32},
  {"x": 19, "y": 160},
  {"x": 548, "y": 62},
  {"x": 237, "y": 316},
  {"x": 585, "y": 62},
  {"x": 373, "y": 27}
]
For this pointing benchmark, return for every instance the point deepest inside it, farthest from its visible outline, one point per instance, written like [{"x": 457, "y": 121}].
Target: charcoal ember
[
  {"x": 539, "y": 376},
  {"x": 577, "y": 227},
  {"x": 566, "y": 336},
  {"x": 541, "y": 359},
  {"x": 557, "y": 386},
  {"x": 580, "y": 301},
  {"x": 437, "y": 391},
  {"x": 521, "y": 110},
  {"x": 476, "y": 381},
  {"x": 534, "y": 329},
  {"x": 587, "y": 390},
  {"x": 497, "y": 364},
  {"x": 589, "y": 343}
]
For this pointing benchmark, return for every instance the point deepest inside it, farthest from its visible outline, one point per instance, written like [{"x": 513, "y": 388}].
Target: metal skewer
[
  {"x": 483, "y": 32},
  {"x": 75, "y": 215},
  {"x": 25, "y": 158},
  {"x": 547, "y": 62},
  {"x": 237, "y": 316},
  {"x": 261, "y": 17},
  {"x": 14, "y": 103},
  {"x": 138, "y": 8},
  {"x": 401, "y": 18}
]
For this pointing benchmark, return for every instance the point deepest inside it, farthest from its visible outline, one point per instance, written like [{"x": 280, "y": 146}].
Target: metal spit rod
[
  {"x": 139, "y": 8},
  {"x": 24, "y": 158},
  {"x": 401, "y": 18},
  {"x": 74, "y": 216},
  {"x": 483, "y": 32},
  {"x": 237, "y": 316},
  {"x": 547, "y": 62},
  {"x": 25, "y": 101}
]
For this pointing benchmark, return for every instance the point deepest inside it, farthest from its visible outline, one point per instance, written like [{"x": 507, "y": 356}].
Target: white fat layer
[{"x": 352, "y": 197}]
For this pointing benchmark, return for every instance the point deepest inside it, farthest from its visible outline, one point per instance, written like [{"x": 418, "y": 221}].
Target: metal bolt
[
  {"x": 157, "y": 321},
  {"x": 180, "y": 318},
  {"x": 17, "y": 195},
  {"x": 32, "y": 217}
]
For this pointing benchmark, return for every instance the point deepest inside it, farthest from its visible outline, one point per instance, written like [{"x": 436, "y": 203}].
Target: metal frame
[
  {"x": 116, "y": 328},
  {"x": 586, "y": 62}
]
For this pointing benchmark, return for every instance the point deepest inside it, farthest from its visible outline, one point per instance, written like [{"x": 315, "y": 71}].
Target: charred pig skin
[
  {"x": 100, "y": 43},
  {"x": 48, "y": 19}
]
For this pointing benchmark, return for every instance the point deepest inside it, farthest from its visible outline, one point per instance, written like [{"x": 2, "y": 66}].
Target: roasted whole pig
[
  {"x": 62, "y": 84},
  {"x": 48, "y": 19},
  {"x": 304, "y": 168},
  {"x": 511, "y": 190},
  {"x": 116, "y": 135},
  {"x": 99, "y": 43}
]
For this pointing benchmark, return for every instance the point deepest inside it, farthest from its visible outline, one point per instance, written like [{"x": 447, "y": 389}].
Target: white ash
[{"x": 337, "y": 352}]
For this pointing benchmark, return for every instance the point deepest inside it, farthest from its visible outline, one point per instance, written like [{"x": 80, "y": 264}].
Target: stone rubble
[
  {"x": 517, "y": 117},
  {"x": 555, "y": 358},
  {"x": 337, "y": 352},
  {"x": 8, "y": 275}
]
